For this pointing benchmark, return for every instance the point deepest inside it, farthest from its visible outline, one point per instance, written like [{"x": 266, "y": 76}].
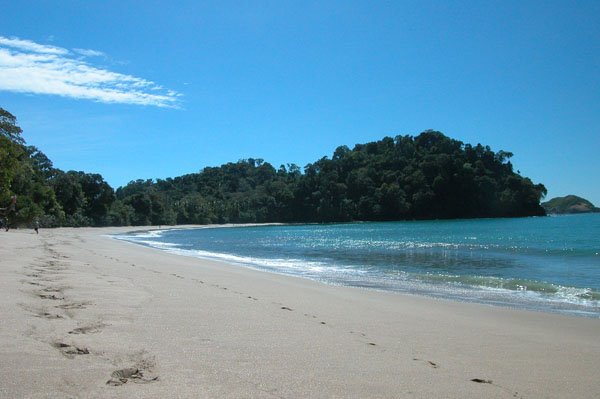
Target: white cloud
[
  {"x": 88, "y": 53},
  {"x": 27, "y": 45},
  {"x": 29, "y": 67}
]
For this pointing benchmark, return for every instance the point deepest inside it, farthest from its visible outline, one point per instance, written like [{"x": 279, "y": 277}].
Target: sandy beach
[{"x": 86, "y": 316}]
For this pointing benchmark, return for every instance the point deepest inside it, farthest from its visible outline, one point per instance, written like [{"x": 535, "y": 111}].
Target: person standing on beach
[{"x": 36, "y": 225}]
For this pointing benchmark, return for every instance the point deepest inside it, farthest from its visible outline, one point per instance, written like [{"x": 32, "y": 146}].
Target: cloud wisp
[{"x": 29, "y": 67}]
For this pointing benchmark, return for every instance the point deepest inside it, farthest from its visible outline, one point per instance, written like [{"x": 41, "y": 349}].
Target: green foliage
[
  {"x": 28, "y": 182},
  {"x": 9, "y": 128},
  {"x": 54, "y": 197},
  {"x": 428, "y": 176},
  {"x": 11, "y": 155},
  {"x": 86, "y": 198},
  {"x": 569, "y": 204},
  {"x": 422, "y": 177}
]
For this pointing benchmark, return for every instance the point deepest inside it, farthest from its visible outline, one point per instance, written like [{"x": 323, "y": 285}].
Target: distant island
[
  {"x": 568, "y": 205},
  {"x": 428, "y": 176}
]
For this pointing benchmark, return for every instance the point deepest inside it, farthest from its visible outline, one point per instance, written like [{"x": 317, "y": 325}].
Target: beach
[{"x": 86, "y": 316}]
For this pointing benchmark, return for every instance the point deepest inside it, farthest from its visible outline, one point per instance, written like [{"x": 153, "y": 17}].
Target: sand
[{"x": 86, "y": 316}]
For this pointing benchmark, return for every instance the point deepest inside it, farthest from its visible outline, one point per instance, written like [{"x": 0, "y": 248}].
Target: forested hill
[
  {"x": 423, "y": 177},
  {"x": 569, "y": 204}
]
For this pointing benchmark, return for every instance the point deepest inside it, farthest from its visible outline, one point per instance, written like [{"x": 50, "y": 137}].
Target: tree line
[{"x": 429, "y": 176}]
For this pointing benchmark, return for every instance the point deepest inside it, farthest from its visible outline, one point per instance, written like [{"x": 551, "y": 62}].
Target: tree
[
  {"x": 427, "y": 176},
  {"x": 9, "y": 128},
  {"x": 11, "y": 153},
  {"x": 99, "y": 196}
]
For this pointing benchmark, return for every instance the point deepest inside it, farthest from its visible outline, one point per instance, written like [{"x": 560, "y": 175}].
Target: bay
[{"x": 547, "y": 264}]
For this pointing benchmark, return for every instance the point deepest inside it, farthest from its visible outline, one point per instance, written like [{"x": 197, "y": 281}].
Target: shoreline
[
  {"x": 491, "y": 295},
  {"x": 79, "y": 308}
]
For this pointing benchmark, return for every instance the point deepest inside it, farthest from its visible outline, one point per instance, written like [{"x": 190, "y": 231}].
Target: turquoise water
[{"x": 548, "y": 263}]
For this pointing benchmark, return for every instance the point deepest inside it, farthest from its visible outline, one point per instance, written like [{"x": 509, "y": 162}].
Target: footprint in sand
[
  {"x": 490, "y": 382},
  {"x": 122, "y": 376},
  {"x": 40, "y": 312},
  {"x": 70, "y": 351},
  {"x": 73, "y": 305},
  {"x": 428, "y": 362},
  {"x": 54, "y": 289},
  {"x": 48, "y": 315},
  {"x": 139, "y": 372},
  {"x": 482, "y": 381},
  {"x": 51, "y": 297},
  {"x": 91, "y": 329}
]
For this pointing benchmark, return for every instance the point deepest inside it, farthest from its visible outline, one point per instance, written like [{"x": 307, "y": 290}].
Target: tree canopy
[
  {"x": 422, "y": 177},
  {"x": 569, "y": 204}
]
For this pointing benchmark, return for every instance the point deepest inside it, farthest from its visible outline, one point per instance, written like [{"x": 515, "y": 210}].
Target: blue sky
[{"x": 153, "y": 89}]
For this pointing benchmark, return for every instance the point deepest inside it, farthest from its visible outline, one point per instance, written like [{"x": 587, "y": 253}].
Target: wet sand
[{"x": 86, "y": 316}]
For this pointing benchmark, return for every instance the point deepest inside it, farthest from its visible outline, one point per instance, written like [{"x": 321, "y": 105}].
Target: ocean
[{"x": 549, "y": 264}]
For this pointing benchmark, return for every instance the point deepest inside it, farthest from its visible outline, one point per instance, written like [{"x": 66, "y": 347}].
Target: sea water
[{"x": 548, "y": 264}]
